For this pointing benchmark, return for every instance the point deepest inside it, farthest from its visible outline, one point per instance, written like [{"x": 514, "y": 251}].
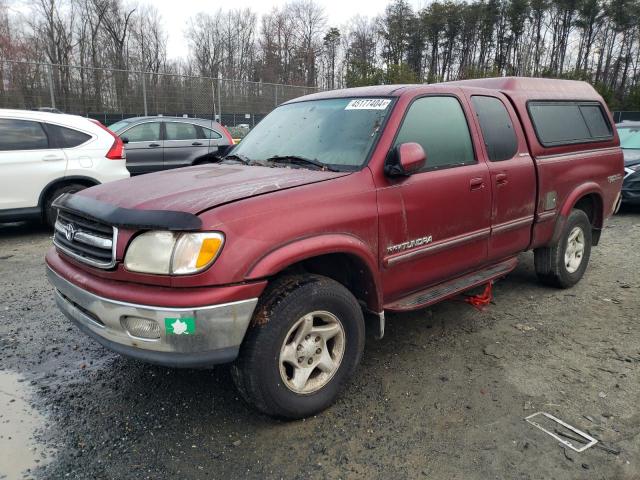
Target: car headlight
[
  {"x": 635, "y": 168},
  {"x": 167, "y": 253}
]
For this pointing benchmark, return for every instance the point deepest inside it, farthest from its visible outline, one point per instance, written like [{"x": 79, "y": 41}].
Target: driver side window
[
  {"x": 145, "y": 132},
  {"x": 440, "y": 126}
]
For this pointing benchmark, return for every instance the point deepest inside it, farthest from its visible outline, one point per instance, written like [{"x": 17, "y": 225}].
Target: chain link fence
[{"x": 110, "y": 95}]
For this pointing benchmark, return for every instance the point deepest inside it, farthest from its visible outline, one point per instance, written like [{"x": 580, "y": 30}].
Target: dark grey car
[
  {"x": 629, "y": 133},
  {"x": 160, "y": 143}
]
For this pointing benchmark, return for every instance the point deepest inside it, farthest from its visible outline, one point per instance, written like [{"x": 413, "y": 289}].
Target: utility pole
[
  {"x": 219, "y": 97},
  {"x": 144, "y": 94},
  {"x": 50, "y": 74},
  {"x": 213, "y": 99},
  {"x": 144, "y": 83}
]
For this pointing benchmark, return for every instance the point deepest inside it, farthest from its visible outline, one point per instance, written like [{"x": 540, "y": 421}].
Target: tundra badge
[{"x": 418, "y": 242}]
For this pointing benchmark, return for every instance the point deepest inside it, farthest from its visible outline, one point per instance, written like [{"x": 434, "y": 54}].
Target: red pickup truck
[{"x": 338, "y": 206}]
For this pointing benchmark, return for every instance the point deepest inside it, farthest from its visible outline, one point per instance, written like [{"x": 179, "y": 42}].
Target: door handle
[
  {"x": 476, "y": 184},
  {"x": 154, "y": 145},
  {"x": 52, "y": 158},
  {"x": 196, "y": 144},
  {"x": 502, "y": 179}
]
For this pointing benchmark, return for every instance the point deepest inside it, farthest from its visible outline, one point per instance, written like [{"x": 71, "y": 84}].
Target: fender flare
[
  {"x": 283, "y": 256},
  {"x": 571, "y": 200}
]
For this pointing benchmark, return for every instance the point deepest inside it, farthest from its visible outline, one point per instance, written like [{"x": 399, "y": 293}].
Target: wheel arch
[
  {"x": 61, "y": 182},
  {"x": 588, "y": 198},
  {"x": 342, "y": 257}
]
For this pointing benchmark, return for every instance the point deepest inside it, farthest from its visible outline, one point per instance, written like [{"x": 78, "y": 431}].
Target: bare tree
[
  {"x": 117, "y": 24},
  {"x": 310, "y": 22}
]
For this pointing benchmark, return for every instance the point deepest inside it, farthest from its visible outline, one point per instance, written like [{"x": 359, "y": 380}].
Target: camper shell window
[{"x": 569, "y": 122}]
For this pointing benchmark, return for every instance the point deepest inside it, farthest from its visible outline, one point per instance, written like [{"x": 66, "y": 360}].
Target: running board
[{"x": 449, "y": 289}]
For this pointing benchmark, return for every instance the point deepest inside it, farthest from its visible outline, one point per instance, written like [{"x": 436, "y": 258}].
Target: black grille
[{"x": 85, "y": 240}]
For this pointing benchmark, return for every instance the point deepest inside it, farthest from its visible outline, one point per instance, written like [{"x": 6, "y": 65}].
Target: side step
[{"x": 445, "y": 290}]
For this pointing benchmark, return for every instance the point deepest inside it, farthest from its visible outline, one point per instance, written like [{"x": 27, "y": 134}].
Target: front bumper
[{"x": 217, "y": 332}]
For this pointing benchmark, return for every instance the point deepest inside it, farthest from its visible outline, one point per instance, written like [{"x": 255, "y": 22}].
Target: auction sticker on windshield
[{"x": 368, "y": 104}]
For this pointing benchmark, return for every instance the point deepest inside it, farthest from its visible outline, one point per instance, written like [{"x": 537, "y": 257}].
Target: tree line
[{"x": 593, "y": 40}]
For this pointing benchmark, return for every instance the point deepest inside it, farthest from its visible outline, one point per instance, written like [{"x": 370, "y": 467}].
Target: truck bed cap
[
  {"x": 529, "y": 88},
  {"x": 522, "y": 88}
]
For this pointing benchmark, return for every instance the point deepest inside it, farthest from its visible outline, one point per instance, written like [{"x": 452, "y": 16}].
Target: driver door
[
  {"x": 144, "y": 147},
  {"x": 435, "y": 224}
]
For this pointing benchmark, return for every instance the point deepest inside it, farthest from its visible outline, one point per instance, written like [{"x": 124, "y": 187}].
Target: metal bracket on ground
[{"x": 589, "y": 440}]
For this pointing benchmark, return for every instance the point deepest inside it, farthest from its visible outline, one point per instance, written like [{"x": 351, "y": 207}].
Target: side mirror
[
  {"x": 405, "y": 159},
  {"x": 125, "y": 140}
]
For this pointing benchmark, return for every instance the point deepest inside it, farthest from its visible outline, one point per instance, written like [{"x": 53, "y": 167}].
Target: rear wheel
[
  {"x": 563, "y": 265},
  {"x": 305, "y": 343},
  {"x": 49, "y": 213}
]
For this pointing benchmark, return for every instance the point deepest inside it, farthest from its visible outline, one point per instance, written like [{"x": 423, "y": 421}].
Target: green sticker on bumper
[{"x": 180, "y": 326}]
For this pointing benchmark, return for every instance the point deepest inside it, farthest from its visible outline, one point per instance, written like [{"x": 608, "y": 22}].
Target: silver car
[{"x": 160, "y": 143}]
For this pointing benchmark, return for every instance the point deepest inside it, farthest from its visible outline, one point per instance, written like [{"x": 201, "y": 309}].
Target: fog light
[{"x": 141, "y": 327}]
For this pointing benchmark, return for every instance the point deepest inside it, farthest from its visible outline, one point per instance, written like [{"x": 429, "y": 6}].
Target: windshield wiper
[
  {"x": 237, "y": 156},
  {"x": 297, "y": 159}
]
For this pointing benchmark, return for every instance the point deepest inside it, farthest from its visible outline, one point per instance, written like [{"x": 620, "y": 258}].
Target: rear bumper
[{"x": 217, "y": 333}]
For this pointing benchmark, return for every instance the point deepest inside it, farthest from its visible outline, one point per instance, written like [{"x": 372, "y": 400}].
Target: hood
[
  {"x": 631, "y": 156},
  {"x": 196, "y": 189}
]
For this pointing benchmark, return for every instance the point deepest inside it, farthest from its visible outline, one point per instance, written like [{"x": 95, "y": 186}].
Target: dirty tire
[
  {"x": 550, "y": 261},
  {"x": 256, "y": 373},
  {"x": 49, "y": 213}
]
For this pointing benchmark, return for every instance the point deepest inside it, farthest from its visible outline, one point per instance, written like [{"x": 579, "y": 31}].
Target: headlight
[
  {"x": 635, "y": 168},
  {"x": 173, "y": 253}
]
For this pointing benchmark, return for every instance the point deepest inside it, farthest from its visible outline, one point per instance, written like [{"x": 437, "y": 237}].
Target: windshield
[
  {"x": 337, "y": 132},
  {"x": 629, "y": 137},
  {"x": 116, "y": 127}
]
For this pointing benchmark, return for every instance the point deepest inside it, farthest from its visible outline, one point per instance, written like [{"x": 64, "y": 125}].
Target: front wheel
[
  {"x": 305, "y": 342},
  {"x": 563, "y": 264}
]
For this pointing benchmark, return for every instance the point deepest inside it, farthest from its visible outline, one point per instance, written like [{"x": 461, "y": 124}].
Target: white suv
[{"x": 43, "y": 155}]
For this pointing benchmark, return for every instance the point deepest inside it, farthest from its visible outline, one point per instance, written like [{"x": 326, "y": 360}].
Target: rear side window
[
  {"x": 145, "y": 132},
  {"x": 565, "y": 123},
  {"x": 67, "y": 137},
  {"x": 180, "y": 131},
  {"x": 22, "y": 135},
  {"x": 210, "y": 134},
  {"x": 497, "y": 128},
  {"x": 596, "y": 121},
  {"x": 439, "y": 125}
]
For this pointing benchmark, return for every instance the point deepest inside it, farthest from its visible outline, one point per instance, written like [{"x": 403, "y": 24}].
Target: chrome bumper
[{"x": 216, "y": 337}]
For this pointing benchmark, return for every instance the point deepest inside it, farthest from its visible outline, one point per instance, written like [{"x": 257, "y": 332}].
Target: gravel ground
[{"x": 443, "y": 395}]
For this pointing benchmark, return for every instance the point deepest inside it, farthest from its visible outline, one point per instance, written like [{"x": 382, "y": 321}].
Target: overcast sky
[{"x": 176, "y": 13}]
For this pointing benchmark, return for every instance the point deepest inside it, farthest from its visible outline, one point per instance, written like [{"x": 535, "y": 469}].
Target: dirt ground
[{"x": 442, "y": 396}]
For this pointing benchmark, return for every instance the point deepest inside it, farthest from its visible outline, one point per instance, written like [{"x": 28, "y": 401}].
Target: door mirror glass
[{"x": 405, "y": 159}]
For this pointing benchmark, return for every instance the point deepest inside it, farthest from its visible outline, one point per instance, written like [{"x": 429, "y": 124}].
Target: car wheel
[
  {"x": 563, "y": 265},
  {"x": 305, "y": 342},
  {"x": 49, "y": 213}
]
